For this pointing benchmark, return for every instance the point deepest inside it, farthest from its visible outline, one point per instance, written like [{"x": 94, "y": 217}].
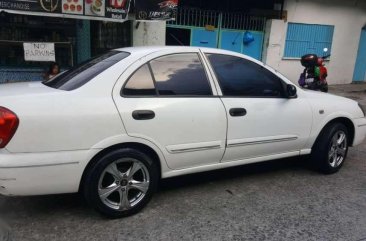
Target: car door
[
  {"x": 261, "y": 120},
  {"x": 167, "y": 98}
]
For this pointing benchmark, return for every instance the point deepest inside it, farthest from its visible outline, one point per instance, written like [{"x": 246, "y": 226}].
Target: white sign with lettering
[{"x": 39, "y": 51}]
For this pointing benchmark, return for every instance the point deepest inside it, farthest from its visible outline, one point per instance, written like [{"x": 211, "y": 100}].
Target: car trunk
[{"x": 23, "y": 89}]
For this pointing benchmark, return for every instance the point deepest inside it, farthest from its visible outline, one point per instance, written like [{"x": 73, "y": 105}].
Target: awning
[{"x": 105, "y": 10}]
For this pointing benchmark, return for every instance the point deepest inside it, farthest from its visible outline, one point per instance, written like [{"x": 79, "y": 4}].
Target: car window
[
  {"x": 83, "y": 73},
  {"x": 180, "y": 74},
  {"x": 140, "y": 83},
  {"x": 241, "y": 77}
]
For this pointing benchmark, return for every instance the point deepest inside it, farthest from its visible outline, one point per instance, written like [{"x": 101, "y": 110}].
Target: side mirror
[{"x": 291, "y": 91}]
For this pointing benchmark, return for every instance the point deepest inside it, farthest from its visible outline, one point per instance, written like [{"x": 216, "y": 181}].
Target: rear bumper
[
  {"x": 360, "y": 131},
  {"x": 41, "y": 173}
]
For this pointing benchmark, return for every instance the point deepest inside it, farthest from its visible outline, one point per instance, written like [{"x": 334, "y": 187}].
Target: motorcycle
[{"x": 315, "y": 72}]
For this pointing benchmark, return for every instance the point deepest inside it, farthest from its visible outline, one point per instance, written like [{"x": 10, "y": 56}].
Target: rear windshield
[{"x": 83, "y": 73}]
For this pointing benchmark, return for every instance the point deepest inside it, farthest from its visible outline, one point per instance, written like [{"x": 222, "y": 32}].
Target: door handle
[
  {"x": 143, "y": 114},
  {"x": 238, "y": 112}
]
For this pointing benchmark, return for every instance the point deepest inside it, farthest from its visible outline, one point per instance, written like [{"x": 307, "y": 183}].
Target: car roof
[
  {"x": 151, "y": 49},
  {"x": 146, "y": 50}
]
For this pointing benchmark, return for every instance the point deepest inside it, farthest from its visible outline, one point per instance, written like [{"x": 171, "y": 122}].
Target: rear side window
[
  {"x": 241, "y": 77},
  {"x": 140, "y": 83},
  {"x": 83, "y": 73},
  {"x": 180, "y": 74},
  {"x": 170, "y": 75}
]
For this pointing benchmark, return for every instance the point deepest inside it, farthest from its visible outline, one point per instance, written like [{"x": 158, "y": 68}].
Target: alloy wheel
[
  {"x": 123, "y": 184},
  {"x": 338, "y": 149}
]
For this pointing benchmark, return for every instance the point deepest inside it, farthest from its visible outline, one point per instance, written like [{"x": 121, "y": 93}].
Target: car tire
[
  {"x": 324, "y": 88},
  {"x": 121, "y": 183},
  {"x": 331, "y": 148}
]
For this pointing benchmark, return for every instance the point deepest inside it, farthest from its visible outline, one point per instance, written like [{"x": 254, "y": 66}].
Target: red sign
[{"x": 117, "y": 3}]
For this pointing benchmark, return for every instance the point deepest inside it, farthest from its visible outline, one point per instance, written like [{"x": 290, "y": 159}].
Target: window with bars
[{"x": 304, "y": 39}]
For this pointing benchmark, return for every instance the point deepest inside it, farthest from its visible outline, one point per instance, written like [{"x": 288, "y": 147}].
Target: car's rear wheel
[
  {"x": 121, "y": 183},
  {"x": 330, "y": 149}
]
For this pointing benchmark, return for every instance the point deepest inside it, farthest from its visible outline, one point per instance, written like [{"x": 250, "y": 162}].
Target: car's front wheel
[
  {"x": 330, "y": 149},
  {"x": 121, "y": 183}
]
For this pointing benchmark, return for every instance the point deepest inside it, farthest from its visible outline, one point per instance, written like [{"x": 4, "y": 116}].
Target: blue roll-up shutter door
[{"x": 304, "y": 39}]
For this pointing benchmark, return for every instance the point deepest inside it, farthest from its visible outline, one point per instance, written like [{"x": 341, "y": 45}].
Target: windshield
[{"x": 83, "y": 73}]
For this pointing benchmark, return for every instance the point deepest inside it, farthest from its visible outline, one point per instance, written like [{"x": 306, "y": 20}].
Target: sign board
[
  {"x": 39, "y": 51},
  {"x": 156, "y": 9},
  {"x": 106, "y": 10}
]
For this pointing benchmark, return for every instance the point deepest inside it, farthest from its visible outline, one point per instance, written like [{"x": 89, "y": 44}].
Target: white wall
[
  {"x": 348, "y": 17},
  {"x": 148, "y": 33}
]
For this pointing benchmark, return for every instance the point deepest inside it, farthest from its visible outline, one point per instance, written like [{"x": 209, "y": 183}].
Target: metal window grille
[{"x": 227, "y": 20}]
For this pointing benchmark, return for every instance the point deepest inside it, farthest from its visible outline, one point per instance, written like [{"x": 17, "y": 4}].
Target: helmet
[
  {"x": 320, "y": 61},
  {"x": 309, "y": 60}
]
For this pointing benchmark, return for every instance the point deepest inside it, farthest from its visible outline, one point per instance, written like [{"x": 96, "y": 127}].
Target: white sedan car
[{"x": 113, "y": 126}]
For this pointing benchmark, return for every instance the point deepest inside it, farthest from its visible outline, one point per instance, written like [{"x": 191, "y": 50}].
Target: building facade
[
  {"x": 281, "y": 32},
  {"x": 75, "y": 41},
  {"x": 311, "y": 26}
]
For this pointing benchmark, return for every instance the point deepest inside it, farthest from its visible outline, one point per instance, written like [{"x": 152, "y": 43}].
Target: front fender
[{"x": 320, "y": 123}]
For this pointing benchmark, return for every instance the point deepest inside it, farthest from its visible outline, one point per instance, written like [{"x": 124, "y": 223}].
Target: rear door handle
[
  {"x": 236, "y": 112},
  {"x": 143, "y": 114}
]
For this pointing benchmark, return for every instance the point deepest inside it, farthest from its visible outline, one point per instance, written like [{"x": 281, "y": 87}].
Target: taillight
[{"x": 8, "y": 125}]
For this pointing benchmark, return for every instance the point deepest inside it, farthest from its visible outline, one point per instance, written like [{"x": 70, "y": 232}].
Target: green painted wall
[{"x": 83, "y": 48}]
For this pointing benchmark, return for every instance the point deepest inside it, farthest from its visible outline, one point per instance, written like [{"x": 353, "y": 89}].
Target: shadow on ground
[{"x": 76, "y": 204}]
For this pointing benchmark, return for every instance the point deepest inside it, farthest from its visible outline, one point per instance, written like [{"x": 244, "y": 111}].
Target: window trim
[
  {"x": 282, "y": 82},
  {"x": 157, "y": 95},
  {"x": 153, "y": 78}
]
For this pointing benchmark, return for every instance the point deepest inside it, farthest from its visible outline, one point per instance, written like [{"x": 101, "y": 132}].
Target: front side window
[
  {"x": 241, "y": 77},
  {"x": 180, "y": 74},
  {"x": 83, "y": 73}
]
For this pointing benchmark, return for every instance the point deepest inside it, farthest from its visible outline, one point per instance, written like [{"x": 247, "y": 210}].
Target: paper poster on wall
[
  {"x": 73, "y": 6},
  {"x": 156, "y": 9},
  {"x": 39, "y": 51},
  {"x": 105, "y": 10},
  {"x": 95, "y": 8}
]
